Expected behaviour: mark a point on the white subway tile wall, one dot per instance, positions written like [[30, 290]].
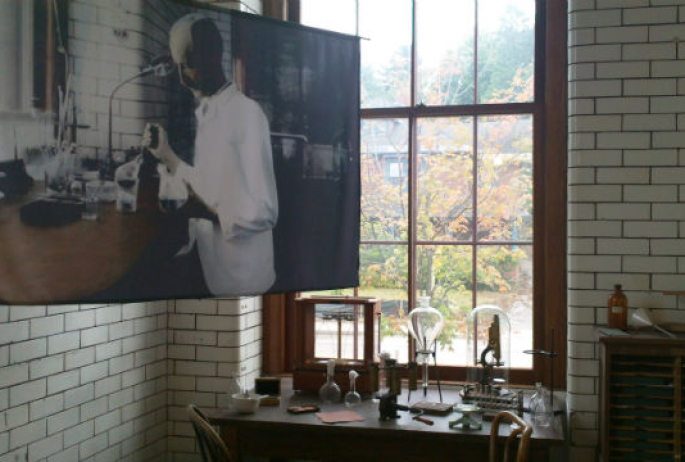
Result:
[[210, 341], [60, 400], [626, 192], [117, 391]]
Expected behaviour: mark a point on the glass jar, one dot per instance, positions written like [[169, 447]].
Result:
[[617, 318], [541, 407]]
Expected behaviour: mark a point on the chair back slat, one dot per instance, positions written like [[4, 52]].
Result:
[[212, 447], [524, 430]]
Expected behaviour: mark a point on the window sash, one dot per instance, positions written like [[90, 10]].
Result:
[[549, 121]]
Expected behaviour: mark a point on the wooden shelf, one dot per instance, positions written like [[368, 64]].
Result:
[[642, 410]]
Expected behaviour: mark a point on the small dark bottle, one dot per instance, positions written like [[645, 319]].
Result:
[[618, 309]]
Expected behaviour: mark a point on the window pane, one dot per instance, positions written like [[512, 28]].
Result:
[[383, 273], [505, 178], [504, 278], [445, 273], [385, 56], [335, 15], [339, 331], [384, 170], [445, 31], [506, 50], [445, 179]]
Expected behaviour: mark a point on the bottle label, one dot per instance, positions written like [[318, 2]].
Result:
[[616, 309]]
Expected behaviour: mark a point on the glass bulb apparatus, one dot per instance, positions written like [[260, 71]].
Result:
[[425, 324], [330, 391], [352, 398]]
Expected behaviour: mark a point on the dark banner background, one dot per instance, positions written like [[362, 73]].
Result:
[[307, 83]]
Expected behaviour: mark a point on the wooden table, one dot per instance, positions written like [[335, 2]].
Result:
[[273, 432], [70, 262]]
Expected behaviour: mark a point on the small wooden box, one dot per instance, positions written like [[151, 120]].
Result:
[[363, 316]]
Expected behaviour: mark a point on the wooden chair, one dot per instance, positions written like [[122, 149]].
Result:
[[212, 447], [524, 430]]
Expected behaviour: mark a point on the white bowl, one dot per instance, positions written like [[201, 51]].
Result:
[[246, 404]]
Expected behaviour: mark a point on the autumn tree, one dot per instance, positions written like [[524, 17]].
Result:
[[446, 169]]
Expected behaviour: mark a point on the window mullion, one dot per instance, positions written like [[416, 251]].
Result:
[[413, 184], [475, 52]]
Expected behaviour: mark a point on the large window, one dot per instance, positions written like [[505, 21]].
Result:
[[454, 162]]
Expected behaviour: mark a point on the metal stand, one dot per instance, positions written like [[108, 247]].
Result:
[[437, 371], [466, 422], [551, 354]]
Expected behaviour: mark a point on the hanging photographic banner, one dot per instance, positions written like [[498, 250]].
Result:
[[182, 152]]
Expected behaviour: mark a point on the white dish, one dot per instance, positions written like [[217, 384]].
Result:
[[246, 404]]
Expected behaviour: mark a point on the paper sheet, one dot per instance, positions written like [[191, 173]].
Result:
[[337, 417]]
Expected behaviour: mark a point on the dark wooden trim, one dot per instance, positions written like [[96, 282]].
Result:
[[277, 9], [448, 111], [295, 329], [294, 11], [273, 333], [552, 176], [458, 374]]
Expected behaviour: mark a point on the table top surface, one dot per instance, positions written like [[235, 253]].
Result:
[[275, 416], [66, 263]]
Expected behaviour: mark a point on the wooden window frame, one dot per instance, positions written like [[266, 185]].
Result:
[[283, 326]]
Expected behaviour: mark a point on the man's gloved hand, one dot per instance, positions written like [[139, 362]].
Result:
[[155, 140]]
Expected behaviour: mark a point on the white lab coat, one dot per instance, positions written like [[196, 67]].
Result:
[[233, 173]]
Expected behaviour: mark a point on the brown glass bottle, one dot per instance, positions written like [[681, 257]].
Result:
[[618, 309]]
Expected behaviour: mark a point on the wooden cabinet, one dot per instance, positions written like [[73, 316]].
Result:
[[641, 410]]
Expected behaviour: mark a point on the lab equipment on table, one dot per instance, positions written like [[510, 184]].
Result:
[[246, 403], [541, 407], [173, 192], [47, 211], [330, 391], [617, 314], [488, 361], [127, 181], [59, 170], [233, 389], [425, 324], [346, 329], [466, 421], [392, 371], [642, 318], [352, 398], [91, 210]]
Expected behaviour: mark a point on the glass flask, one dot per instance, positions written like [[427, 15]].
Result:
[[330, 391], [173, 192], [233, 388], [352, 398], [59, 170], [126, 177], [425, 324], [541, 407]]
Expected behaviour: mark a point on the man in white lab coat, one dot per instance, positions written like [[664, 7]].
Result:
[[233, 206]]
